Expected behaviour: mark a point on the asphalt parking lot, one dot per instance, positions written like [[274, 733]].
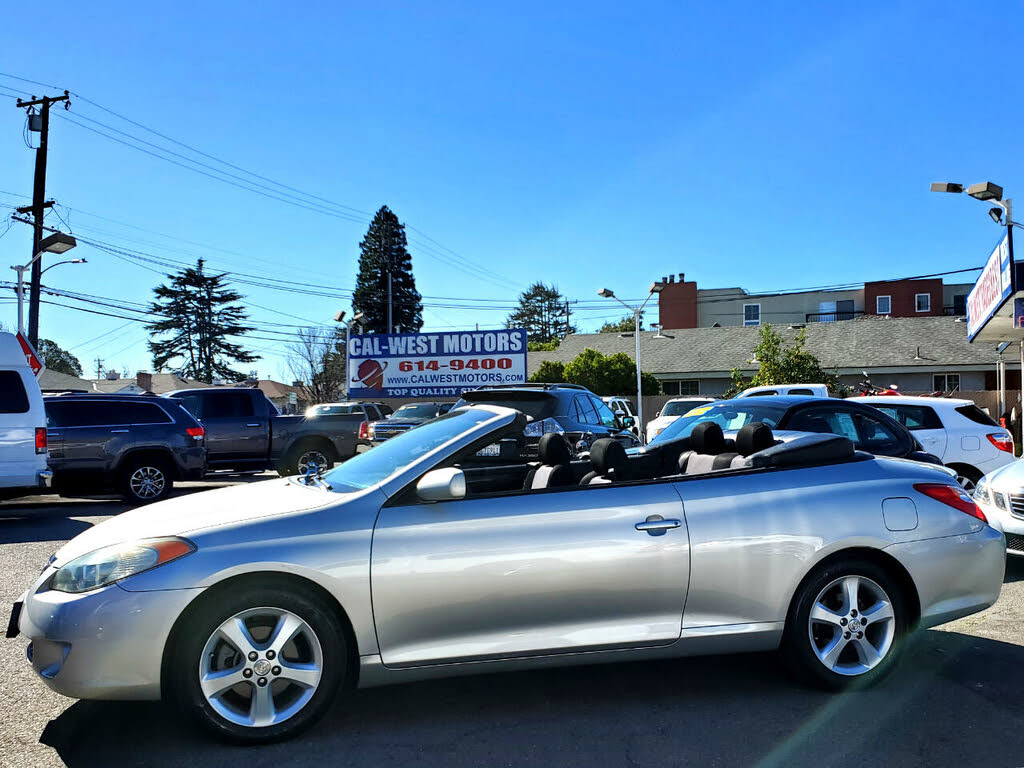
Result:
[[955, 700]]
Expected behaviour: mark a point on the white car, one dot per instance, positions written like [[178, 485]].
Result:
[[1000, 495], [625, 407], [22, 424], [671, 411], [814, 390], [957, 431]]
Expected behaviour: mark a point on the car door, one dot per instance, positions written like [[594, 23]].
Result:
[[922, 421], [529, 573], [234, 430], [93, 435]]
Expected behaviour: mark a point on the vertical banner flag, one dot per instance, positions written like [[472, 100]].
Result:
[[433, 364]]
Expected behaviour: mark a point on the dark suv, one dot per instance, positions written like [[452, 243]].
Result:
[[137, 445], [569, 409]]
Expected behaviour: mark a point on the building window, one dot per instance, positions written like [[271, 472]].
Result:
[[684, 387], [751, 314], [946, 382], [923, 302], [883, 305]]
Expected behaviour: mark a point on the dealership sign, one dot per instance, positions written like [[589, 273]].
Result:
[[433, 364], [992, 289]]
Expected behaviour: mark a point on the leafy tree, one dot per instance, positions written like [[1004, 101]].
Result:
[[549, 371], [626, 325], [57, 359], [609, 374], [541, 346], [782, 364], [199, 316], [317, 359], [384, 248], [544, 313]]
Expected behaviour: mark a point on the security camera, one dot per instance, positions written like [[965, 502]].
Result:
[[340, 316]]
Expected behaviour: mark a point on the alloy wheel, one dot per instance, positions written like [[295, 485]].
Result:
[[852, 625], [312, 460], [261, 667], [147, 482]]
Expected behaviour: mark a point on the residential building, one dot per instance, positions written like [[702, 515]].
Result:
[[681, 304]]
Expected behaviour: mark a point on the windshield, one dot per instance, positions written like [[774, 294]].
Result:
[[537, 407], [729, 415], [382, 461], [679, 407], [331, 410], [415, 411]]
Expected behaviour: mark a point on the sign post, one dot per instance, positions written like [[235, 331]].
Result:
[[433, 364]]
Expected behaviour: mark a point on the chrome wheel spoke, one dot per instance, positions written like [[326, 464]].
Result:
[[851, 588], [236, 633], [306, 675], [829, 655], [261, 709], [215, 683], [287, 627], [866, 652], [880, 611], [824, 615]]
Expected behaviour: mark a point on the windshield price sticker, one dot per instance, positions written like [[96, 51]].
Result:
[[699, 411], [434, 364]]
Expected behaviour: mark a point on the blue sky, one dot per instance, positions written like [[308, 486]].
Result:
[[767, 145]]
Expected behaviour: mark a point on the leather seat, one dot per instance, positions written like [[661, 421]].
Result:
[[554, 470], [610, 462]]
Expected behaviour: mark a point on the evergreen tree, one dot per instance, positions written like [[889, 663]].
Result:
[[544, 313], [384, 246], [199, 316], [58, 359]]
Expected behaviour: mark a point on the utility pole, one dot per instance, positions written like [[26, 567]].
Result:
[[38, 201], [99, 367]]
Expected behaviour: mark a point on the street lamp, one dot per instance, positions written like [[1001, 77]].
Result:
[[605, 293], [57, 243], [359, 319], [986, 192]]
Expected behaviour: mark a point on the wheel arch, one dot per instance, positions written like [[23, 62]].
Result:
[[266, 578], [971, 470], [149, 452], [879, 557]]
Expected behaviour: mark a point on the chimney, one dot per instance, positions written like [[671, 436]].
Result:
[[671, 278], [144, 380], [682, 277], [664, 279]]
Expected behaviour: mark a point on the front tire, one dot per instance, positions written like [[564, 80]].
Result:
[[846, 625], [146, 481], [301, 458], [258, 665]]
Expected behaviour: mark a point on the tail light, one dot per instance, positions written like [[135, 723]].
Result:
[[40, 439], [957, 498], [196, 433], [1001, 441], [364, 431]]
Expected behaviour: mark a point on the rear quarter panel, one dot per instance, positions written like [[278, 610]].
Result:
[[754, 536]]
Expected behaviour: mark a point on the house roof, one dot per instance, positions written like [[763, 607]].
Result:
[[53, 381], [160, 383], [277, 389], [867, 342]]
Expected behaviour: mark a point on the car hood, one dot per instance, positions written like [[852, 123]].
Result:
[[183, 514], [1009, 477]]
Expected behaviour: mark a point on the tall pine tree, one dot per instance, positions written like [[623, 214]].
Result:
[[199, 316], [544, 314], [384, 247]]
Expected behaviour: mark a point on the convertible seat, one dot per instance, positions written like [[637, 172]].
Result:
[[708, 450], [554, 469], [804, 451], [752, 438], [610, 462]]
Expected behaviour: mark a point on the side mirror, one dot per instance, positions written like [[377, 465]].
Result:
[[628, 422], [442, 485], [620, 413]]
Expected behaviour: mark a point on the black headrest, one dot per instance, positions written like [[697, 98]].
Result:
[[707, 437], [754, 437], [609, 456], [553, 449]]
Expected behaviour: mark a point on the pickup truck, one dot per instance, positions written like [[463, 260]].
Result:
[[245, 431]]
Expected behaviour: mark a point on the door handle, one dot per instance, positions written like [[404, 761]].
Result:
[[656, 525], [118, 431], [252, 425]]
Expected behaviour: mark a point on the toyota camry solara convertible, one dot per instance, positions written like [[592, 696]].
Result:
[[252, 607]]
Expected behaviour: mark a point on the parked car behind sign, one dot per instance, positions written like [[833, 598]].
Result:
[[136, 445], [957, 431]]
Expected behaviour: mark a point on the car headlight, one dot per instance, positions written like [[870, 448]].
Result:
[[999, 499], [119, 561], [981, 492]]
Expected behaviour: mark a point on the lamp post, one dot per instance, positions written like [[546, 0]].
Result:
[[357, 319], [637, 312], [58, 243]]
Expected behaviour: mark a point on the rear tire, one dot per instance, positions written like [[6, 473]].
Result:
[[283, 649], [298, 459], [146, 481], [846, 625]]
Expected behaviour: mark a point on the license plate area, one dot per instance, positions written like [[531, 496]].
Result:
[[494, 449]]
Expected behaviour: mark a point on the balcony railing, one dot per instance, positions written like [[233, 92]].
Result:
[[831, 317]]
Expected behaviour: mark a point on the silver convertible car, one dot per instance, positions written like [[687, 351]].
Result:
[[251, 607]]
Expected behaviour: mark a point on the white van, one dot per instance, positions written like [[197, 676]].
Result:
[[22, 424], [814, 390]]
